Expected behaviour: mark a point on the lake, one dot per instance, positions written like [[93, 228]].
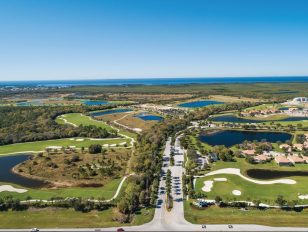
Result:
[[232, 137], [203, 103], [95, 103], [149, 117], [235, 119], [6, 174], [114, 111], [273, 174]]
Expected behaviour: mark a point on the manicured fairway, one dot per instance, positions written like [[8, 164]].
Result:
[[273, 217], [41, 145], [67, 218], [252, 191], [105, 192], [78, 119]]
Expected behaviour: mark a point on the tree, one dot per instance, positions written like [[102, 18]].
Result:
[[218, 199], [280, 200], [95, 148]]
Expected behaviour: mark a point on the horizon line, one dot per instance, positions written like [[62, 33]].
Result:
[[155, 78]]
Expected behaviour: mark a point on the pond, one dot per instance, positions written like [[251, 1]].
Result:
[[36, 102], [6, 174], [114, 111], [196, 104], [232, 137], [234, 119], [149, 117], [265, 174], [95, 103]]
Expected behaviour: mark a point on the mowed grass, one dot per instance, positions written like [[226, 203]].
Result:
[[272, 217], [67, 218], [41, 145], [105, 192], [251, 191], [78, 119]]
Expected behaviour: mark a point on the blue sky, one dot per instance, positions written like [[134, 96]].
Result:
[[74, 39]]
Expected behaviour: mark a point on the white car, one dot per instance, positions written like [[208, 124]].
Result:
[[35, 230]]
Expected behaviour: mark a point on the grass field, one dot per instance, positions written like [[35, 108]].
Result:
[[105, 192], [273, 217], [252, 191], [78, 119], [67, 218], [41, 145]]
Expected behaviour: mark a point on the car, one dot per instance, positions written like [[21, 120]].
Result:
[[120, 230], [230, 226], [35, 230]]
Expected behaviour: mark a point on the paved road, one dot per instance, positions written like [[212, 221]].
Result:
[[174, 220]]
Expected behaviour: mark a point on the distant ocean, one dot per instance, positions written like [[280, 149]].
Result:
[[151, 81]]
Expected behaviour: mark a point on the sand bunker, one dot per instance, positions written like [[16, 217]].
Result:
[[207, 186], [220, 179], [303, 197], [79, 140], [236, 192], [10, 188]]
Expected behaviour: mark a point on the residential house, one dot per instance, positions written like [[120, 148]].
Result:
[[262, 158], [296, 159], [283, 161]]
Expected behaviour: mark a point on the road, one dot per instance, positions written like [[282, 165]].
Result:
[[174, 220]]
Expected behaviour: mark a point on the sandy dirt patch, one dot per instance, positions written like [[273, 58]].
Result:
[[303, 197], [207, 186], [220, 179], [10, 188], [236, 192]]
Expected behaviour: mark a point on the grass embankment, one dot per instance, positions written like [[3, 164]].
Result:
[[41, 145], [67, 218], [105, 192], [273, 217]]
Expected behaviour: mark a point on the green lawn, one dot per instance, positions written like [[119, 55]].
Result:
[[105, 192], [41, 145], [252, 191], [67, 218], [273, 217], [78, 119]]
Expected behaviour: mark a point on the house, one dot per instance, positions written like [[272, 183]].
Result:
[[261, 158], [249, 152], [306, 159], [298, 146], [213, 157], [283, 161], [296, 159], [285, 147]]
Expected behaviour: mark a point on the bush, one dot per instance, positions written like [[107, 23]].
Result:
[[95, 148]]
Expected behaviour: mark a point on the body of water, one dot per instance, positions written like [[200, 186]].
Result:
[[149, 117], [6, 174], [114, 111], [235, 119], [95, 103], [154, 81], [196, 104], [265, 174], [232, 137]]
